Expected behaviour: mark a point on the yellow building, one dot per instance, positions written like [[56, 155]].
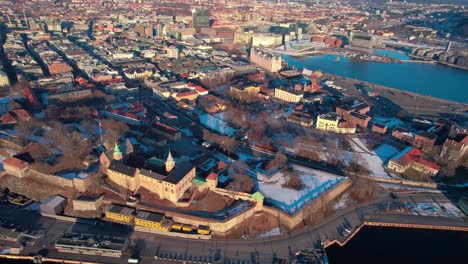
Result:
[[170, 182], [171, 186], [245, 87], [331, 122], [289, 95], [123, 175], [87, 203], [151, 220], [120, 213]]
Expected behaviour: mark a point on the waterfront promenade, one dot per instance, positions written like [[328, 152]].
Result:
[[223, 249]]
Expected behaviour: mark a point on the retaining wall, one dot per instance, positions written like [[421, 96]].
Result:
[[292, 221], [172, 234]]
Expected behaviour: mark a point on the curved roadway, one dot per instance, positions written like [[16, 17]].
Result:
[[222, 249]]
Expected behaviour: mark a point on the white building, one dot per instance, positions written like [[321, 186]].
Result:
[[173, 52], [266, 40], [4, 81]]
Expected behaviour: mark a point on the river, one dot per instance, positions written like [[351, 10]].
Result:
[[397, 245], [424, 78]]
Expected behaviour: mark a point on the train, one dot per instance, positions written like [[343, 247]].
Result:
[[188, 229], [153, 220]]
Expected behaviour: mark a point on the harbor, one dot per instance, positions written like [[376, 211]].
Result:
[[427, 78]]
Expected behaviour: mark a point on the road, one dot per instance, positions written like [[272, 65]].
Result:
[[263, 250]]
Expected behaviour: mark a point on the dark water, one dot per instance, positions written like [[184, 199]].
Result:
[[428, 79], [395, 245]]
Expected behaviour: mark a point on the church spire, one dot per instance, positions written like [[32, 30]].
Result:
[[170, 163], [117, 154]]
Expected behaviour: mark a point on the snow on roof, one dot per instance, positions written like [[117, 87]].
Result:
[[54, 201]]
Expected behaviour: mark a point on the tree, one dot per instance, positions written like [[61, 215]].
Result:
[[241, 183], [236, 117], [228, 144], [363, 189], [279, 161], [113, 129], [293, 181], [357, 165], [26, 128]]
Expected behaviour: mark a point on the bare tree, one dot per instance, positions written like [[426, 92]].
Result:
[[279, 161], [28, 127], [363, 189], [113, 129], [241, 183], [293, 181]]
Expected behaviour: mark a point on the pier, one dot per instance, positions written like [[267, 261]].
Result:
[[34, 259], [404, 221]]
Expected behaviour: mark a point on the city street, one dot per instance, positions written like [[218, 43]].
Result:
[[263, 250]]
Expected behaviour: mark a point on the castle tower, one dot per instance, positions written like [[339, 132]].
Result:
[[170, 163], [117, 154]]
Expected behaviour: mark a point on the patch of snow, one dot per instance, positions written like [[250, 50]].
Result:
[[398, 187], [343, 202], [434, 209], [217, 123], [315, 183], [273, 232], [374, 163]]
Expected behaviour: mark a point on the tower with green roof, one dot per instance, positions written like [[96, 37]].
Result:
[[117, 154]]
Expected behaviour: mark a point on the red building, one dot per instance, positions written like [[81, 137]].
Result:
[[379, 128], [425, 141], [354, 113], [57, 67], [358, 119], [403, 135]]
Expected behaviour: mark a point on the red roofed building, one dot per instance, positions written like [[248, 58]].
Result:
[[13, 116], [212, 180], [15, 166], [22, 114], [166, 131], [190, 95], [411, 158], [198, 89], [222, 166], [8, 119]]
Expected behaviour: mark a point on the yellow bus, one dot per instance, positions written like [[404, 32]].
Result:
[[203, 230]]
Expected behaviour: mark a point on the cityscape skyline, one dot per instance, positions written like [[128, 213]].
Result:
[[214, 131]]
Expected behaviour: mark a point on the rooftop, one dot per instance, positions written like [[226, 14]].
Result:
[[150, 216], [152, 174], [122, 168], [179, 172], [332, 116], [120, 209]]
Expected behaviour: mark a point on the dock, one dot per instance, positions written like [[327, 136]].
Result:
[[404, 221]]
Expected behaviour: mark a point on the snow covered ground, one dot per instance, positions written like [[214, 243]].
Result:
[[398, 187], [435, 209], [374, 163], [273, 232], [342, 202], [216, 122], [315, 183]]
